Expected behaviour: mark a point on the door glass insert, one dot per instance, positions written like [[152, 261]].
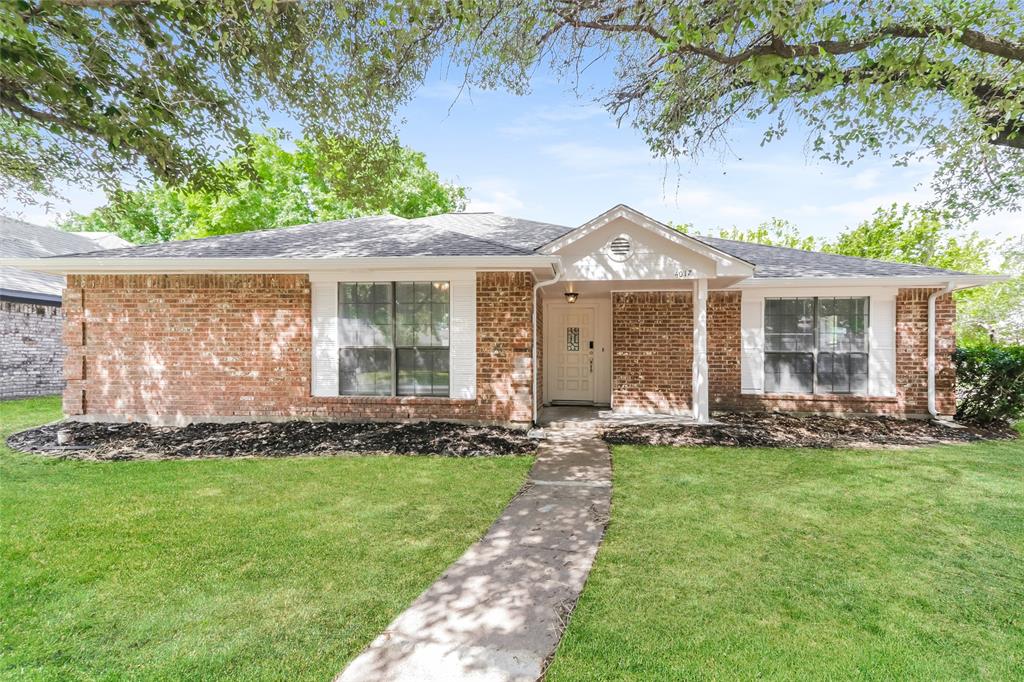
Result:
[[572, 339]]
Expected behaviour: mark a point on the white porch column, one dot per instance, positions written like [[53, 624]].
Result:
[[701, 411]]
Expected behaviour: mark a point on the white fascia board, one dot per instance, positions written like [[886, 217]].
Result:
[[100, 265], [959, 281], [659, 228]]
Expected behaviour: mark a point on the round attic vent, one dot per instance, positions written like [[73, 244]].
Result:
[[620, 248]]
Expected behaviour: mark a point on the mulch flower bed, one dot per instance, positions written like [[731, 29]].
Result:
[[139, 441], [783, 431]]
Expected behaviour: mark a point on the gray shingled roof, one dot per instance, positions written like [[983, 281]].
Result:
[[528, 235], [19, 239], [481, 234], [777, 261], [377, 236]]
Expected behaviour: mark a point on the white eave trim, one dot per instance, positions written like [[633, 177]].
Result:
[[100, 265], [962, 281]]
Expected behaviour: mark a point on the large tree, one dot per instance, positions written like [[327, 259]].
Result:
[[773, 232], [941, 80], [94, 87], [100, 91], [268, 186], [905, 234]]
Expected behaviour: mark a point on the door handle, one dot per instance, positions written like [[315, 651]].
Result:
[[591, 365]]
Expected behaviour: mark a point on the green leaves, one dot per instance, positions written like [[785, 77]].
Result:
[[163, 89], [936, 80], [774, 232], [266, 186]]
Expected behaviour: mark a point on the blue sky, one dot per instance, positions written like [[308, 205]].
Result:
[[560, 158]]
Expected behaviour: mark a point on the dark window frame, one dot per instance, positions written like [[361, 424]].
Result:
[[394, 347], [816, 347]]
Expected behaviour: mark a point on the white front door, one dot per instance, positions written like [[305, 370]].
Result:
[[571, 355]]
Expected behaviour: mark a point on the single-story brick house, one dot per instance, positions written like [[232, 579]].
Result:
[[31, 352], [484, 318]]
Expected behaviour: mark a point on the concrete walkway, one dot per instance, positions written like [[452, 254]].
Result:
[[498, 612]]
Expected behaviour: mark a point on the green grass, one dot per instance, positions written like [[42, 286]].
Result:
[[807, 564], [219, 569]]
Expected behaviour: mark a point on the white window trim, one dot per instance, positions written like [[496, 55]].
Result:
[[462, 330], [816, 351], [881, 336]]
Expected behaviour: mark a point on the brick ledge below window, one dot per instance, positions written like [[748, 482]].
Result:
[[823, 397], [391, 400]]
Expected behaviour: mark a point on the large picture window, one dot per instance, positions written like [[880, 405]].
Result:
[[816, 345], [393, 338]]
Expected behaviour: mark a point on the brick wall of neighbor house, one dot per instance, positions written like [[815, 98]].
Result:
[[166, 347], [652, 351], [31, 354]]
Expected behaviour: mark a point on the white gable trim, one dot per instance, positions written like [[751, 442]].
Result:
[[658, 228]]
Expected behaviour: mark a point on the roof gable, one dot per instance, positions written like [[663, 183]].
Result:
[[725, 264]]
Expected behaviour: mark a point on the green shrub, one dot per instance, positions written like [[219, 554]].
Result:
[[990, 383]]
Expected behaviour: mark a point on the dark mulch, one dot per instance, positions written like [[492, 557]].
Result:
[[783, 431], [139, 441]]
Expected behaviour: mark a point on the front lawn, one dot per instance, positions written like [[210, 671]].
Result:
[[222, 569], [807, 564]]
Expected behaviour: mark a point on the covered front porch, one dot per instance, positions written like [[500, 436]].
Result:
[[624, 323], [630, 352]]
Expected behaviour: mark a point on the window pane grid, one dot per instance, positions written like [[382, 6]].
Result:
[[816, 345], [394, 338]]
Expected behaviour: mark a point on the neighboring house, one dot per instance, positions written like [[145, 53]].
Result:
[[31, 352], [481, 317]]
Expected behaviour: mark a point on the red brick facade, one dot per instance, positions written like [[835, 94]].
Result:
[[723, 347], [912, 351], [911, 398], [504, 345], [653, 358], [178, 347], [652, 351]]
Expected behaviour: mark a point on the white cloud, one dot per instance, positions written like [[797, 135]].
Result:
[[497, 195], [705, 207], [597, 159], [550, 121], [866, 179], [1002, 225], [579, 112]]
